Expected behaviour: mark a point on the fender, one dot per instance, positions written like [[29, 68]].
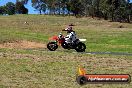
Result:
[[82, 40]]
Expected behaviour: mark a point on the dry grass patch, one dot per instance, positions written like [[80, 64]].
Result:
[[22, 45]]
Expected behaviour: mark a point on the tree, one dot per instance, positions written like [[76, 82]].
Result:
[[20, 8], [75, 7], [87, 4], [25, 11], [96, 5], [10, 8], [40, 5], [59, 7], [22, 1], [104, 8], [2, 10], [116, 10], [52, 5]]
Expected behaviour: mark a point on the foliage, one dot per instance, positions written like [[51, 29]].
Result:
[[10, 8], [39, 5], [20, 8], [2, 10], [114, 10], [75, 7]]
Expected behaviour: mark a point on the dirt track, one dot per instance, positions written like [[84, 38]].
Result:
[[38, 46], [22, 45]]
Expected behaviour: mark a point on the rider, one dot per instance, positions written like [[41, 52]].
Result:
[[71, 36]]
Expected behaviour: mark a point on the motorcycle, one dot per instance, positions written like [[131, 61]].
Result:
[[60, 41]]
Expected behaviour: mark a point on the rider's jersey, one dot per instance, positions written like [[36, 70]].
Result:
[[71, 37]]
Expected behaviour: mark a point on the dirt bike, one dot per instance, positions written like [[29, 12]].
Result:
[[60, 41]]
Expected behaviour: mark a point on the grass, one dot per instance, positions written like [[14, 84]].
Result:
[[21, 68], [101, 35], [57, 69]]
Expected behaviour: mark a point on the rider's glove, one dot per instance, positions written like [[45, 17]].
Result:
[[60, 36]]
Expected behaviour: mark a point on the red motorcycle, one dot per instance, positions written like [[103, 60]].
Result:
[[60, 41]]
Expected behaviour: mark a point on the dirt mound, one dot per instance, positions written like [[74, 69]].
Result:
[[22, 45]]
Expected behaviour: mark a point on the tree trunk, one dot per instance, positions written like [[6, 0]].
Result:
[[128, 18], [59, 9], [112, 15], [98, 5], [40, 12]]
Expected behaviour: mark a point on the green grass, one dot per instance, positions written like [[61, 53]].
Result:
[[101, 35], [13, 35], [37, 68]]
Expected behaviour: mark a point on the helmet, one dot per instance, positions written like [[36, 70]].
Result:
[[69, 29]]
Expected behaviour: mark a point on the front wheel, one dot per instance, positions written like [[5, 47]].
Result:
[[81, 80], [52, 46], [80, 47]]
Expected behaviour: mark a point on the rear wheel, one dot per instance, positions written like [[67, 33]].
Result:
[[80, 47], [52, 46]]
